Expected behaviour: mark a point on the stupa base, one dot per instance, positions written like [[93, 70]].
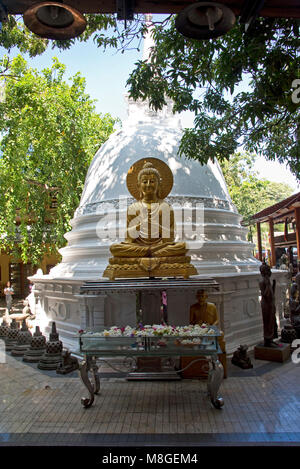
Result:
[[20, 350], [9, 346], [242, 320], [48, 362], [33, 356]]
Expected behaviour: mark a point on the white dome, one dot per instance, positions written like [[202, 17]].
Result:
[[156, 135], [223, 246]]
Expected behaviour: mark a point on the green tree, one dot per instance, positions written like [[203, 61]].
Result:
[[206, 77], [49, 133], [104, 29], [249, 193], [15, 34]]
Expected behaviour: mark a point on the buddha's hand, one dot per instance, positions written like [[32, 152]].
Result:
[[159, 247]]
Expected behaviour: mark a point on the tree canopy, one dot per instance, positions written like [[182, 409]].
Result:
[[50, 130], [49, 133], [208, 78], [249, 193], [104, 30], [240, 86]]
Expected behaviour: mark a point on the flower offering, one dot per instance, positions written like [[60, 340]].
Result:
[[157, 330]]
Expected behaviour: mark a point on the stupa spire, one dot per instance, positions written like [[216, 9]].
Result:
[[148, 40], [139, 110]]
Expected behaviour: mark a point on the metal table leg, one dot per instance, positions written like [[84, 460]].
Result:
[[215, 378], [89, 364], [96, 378]]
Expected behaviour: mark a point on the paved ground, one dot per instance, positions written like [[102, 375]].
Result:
[[43, 408]]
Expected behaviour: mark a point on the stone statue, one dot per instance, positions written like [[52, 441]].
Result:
[[290, 330], [241, 359], [294, 299], [68, 364], [268, 306], [294, 305], [297, 278], [149, 248], [26, 311], [203, 311], [283, 262], [52, 357]]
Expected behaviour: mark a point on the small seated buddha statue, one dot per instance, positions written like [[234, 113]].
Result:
[[203, 311], [149, 249]]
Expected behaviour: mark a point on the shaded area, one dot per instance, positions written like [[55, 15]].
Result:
[[134, 439]]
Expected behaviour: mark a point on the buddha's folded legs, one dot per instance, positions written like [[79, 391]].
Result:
[[136, 250], [129, 250], [176, 249]]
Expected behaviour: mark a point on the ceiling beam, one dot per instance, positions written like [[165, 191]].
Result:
[[272, 8]]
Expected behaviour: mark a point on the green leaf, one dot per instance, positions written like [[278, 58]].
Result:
[[50, 132]]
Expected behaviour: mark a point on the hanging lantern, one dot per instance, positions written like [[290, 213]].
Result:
[[205, 20], [54, 20]]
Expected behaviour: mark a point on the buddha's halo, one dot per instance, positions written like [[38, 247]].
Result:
[[166, 182]]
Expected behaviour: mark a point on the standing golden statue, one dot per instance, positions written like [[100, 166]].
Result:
[[149, 249]]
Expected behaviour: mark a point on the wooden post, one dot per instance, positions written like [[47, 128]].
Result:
[[259, 241], [286, 230], [272, 243], [297, 217]]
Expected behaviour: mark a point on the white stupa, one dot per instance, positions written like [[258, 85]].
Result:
[[223, 247], [222, 252]]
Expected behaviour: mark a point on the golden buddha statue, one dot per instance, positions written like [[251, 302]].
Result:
[[149, 249], [203, 311], [200, 312]]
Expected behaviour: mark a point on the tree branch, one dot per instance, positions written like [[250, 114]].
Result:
[[43, 185]]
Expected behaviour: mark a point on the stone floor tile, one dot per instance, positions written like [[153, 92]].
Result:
[[260, 404]]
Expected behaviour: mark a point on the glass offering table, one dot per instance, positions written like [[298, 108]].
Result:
[[95, 346]]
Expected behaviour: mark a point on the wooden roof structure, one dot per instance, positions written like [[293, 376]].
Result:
[[279, 211], [285, 211], [70, 22], [268, 8]]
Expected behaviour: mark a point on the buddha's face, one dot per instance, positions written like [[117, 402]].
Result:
[[149, 185], [201, 297]]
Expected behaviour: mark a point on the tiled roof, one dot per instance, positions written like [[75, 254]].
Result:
[[272, 211]]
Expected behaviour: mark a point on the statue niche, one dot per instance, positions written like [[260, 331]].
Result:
[[149, 249]]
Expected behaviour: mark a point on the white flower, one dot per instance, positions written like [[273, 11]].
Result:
[[157, 330]]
